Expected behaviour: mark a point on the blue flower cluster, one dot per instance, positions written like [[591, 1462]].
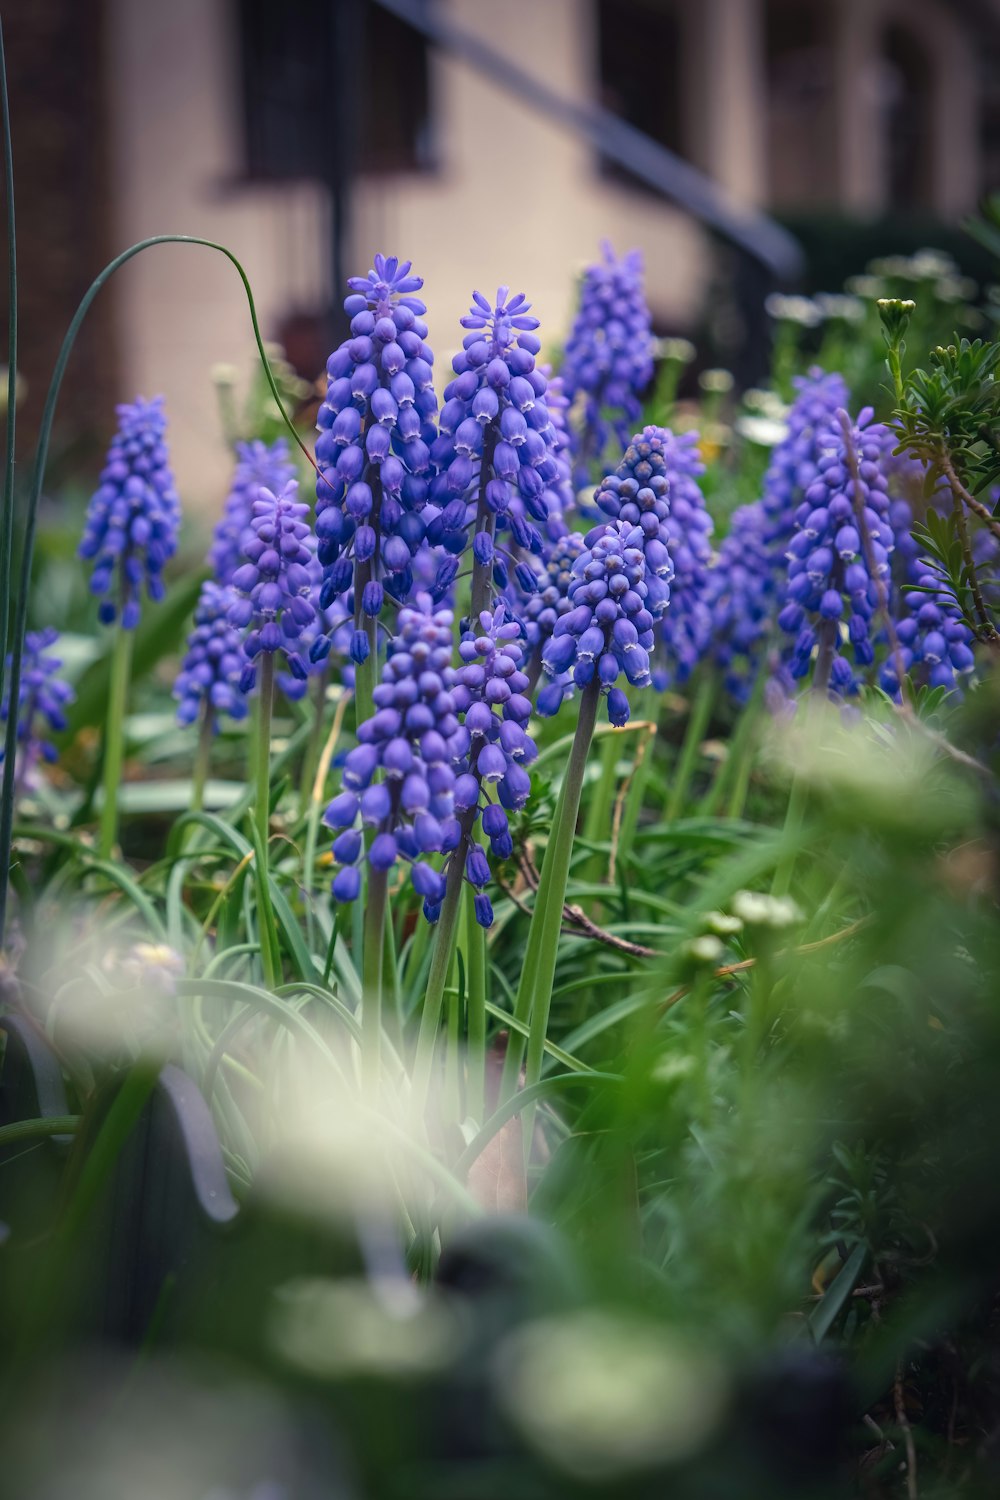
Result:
[[539, 609], [608, 358], [686, 628], [935, 644], [639, 494], [410, 740], [258, 466], [497, 454], [274, 583], [829, 583], [794, 460], [209, 679], [932, 644], [741, 601], [492, 747], [608, 629], [41, 703], [373, 449], [134, 515]]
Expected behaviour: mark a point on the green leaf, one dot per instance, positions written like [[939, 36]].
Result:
[[824, 1314]]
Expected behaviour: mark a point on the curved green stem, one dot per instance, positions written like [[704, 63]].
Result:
[[114, 738], [38, 476], [7, 527], [45, 1125]]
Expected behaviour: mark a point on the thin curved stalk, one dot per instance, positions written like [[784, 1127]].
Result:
[[7, 526], [37, 479], [114, 738]]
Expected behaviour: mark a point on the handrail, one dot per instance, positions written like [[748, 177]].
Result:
[[761, 237]]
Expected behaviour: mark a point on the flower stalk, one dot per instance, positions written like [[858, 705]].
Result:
[[534, 992], [114, 738]]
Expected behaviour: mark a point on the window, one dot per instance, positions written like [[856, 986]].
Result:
[[800, 104], [640, 71], [907, 106], [332, 87]]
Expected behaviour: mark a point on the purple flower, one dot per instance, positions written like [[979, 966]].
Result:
[[210, 673], [608, 631], [501, 461], [258, 466], [933, 643], [838, 560], [492, 748], [541, 607], [793, 465], [608, 360], [41, 704], [741, 600], [410, 743], [134, 515], [638, 493], [686, 628], [375, 432], [274, 582]]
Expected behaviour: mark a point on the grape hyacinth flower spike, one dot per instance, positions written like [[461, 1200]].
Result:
[[134, 515], [130, 533], [838, 557], [498, 453], [794, 460], [274, 610], [373, 453], [398, 784], [41, 710], [742, 590], [541, 608], [258, 466], [492, 751], [608, 360], [607, 632]]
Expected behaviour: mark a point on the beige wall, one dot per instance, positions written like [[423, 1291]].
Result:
[[515, 199], [487, 216]]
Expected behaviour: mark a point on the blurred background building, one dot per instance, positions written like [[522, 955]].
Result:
[[463, 134]]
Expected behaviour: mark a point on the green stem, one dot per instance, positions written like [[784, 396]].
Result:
[[27, 1130], [790, 835], [314, 744], [114, 738], [203, 757], [741, 782], [475, 979], [437, 977], [698, 716], [7, 528], [641, 770], [738, 752], [262, 749], [373, 960], [827, 635], [482, 573], [598, 819], [534, 992]]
